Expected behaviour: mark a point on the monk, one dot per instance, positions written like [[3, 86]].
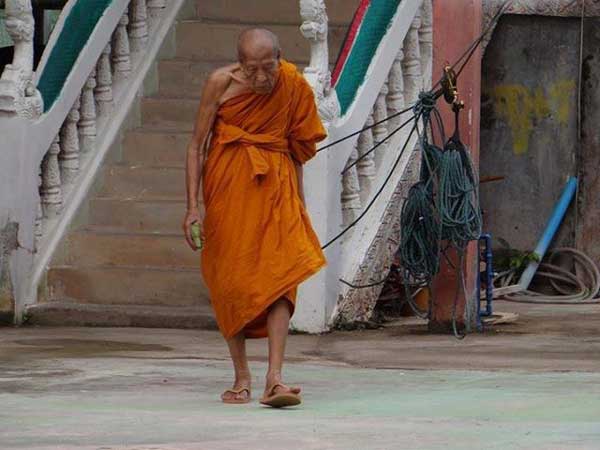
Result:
[[258, 242]]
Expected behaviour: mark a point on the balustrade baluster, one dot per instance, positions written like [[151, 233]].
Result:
[[87, 122], [138, 25], [366, 166], [351, 204], [380, 132], [411, 64], [426, 34], [69, 144], [103, 90], [51, 191], [39, 219], [121, 55], [395, 97]]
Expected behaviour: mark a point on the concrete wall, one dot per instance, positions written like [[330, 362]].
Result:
[[18, 200], [588, 230], [529, 125]]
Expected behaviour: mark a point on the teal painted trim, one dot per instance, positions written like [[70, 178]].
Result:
[[374, 26], [78, 27], [5, 39]]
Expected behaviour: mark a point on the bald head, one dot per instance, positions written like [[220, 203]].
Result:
[[258, 43]]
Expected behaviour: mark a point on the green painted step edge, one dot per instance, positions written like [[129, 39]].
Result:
[[375, 24], [79, 25]]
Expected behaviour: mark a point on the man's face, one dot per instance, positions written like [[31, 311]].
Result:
[[261, 70]]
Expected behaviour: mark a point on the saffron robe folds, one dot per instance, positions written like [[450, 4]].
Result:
[[259, 240]]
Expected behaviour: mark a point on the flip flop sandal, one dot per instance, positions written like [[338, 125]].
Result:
[[281, 399], [236, 400]]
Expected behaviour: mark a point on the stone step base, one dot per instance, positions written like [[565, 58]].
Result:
[[65, 313]]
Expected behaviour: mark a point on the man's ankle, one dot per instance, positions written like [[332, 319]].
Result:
[[243, 376], [273, 376]]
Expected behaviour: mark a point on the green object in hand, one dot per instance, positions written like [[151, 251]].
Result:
[[196, 234]]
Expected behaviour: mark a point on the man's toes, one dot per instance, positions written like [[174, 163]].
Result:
[[241, 395], [285, 388]]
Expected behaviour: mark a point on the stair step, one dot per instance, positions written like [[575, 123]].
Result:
[[146, 216], [128, 285], [185, 77], [169, 113], [151, 147], [266, 11], [64, 313], [96, 247], [142, 182], [199, 40]]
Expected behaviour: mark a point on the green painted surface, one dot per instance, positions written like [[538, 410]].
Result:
[[79, 24], [375, 24], [172, 403], [5, 40]]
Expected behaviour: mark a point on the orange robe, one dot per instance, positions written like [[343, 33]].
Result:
[[259, 240]]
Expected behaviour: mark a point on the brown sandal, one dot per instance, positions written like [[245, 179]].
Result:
[[281, 399], [234, 400]]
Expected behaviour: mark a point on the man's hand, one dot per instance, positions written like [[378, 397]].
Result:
[[192, 215]]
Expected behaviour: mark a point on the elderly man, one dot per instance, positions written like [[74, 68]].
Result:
[[258, 240]]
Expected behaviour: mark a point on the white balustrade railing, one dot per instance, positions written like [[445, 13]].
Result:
[[400, 69], [75, 142], [70, 139]]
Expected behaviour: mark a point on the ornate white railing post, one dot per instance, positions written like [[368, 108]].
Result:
[[366, 166], [69, 142], [51, 191], [395, 98], [351, 205], [380, 131], [18, 95], [314, 28], [426, 34], [138, 24], [411, 64], [322, 193], [87, 122], [103, 89], [121, 57]]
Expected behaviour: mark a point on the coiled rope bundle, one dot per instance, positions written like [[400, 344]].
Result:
[[442, 206]]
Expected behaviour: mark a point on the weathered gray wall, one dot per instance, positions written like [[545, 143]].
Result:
[[529, 125], [588, 230], [18, 200]]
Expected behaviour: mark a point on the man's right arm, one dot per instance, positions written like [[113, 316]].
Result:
[[214, 88]]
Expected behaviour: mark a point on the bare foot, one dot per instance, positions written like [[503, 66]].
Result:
[[278, 394], [239, 393], [280, 389]]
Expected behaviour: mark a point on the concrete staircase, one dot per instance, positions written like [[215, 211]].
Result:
[[127, 263]]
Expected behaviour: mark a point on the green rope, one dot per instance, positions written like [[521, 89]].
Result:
[[442, 206], [419, 243], [458, 199]]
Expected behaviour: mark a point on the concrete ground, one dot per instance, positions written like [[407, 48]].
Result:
[[534, 384]]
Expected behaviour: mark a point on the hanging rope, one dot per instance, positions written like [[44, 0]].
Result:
[[379, 191], [444, 204]]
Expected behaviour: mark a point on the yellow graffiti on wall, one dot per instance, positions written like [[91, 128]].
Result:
[[521, 107]]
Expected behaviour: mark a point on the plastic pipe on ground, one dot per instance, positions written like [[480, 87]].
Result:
[[555, 220]]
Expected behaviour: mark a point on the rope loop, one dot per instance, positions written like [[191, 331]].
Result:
[[425, 104]]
